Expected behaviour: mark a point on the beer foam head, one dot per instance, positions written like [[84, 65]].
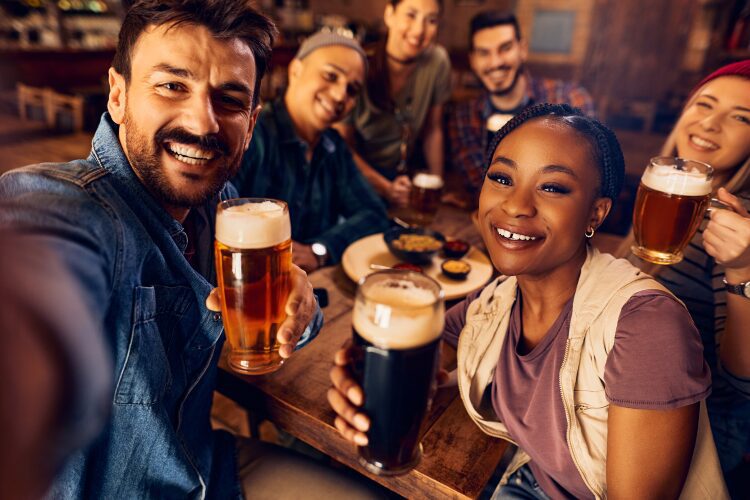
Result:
[[428, 181], [253, 225], [398, 315], [667, 179]]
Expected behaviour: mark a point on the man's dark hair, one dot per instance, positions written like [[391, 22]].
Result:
[[394, 3], [490, 19], [605, 148], [225, 19]]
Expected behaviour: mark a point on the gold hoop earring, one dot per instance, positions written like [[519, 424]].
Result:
[[589, 233]]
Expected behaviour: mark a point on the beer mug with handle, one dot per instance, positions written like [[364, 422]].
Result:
[[424, 198], [397, 322], [672, 200], [253, 254]]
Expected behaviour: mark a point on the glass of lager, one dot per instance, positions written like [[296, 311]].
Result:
[[253, 260], [672, 199], [424, 198], [397, 321]]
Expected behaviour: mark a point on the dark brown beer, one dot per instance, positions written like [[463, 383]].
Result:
[[669, 207], [253, 263], [397, 323]]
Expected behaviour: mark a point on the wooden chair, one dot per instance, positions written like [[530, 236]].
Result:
[[29, 97], [59, 105], [54, 105]]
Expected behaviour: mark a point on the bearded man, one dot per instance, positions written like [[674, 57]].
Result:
[[497, 56], [133, 225]]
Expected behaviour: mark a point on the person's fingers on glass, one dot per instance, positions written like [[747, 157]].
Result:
[[345, 397], [727, 235], [300, 307], [213, 301]]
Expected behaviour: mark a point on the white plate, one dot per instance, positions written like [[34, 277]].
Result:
[[371, 249]]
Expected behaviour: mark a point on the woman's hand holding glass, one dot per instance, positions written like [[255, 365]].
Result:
[[346, 396], [398, 194], [727, 237]]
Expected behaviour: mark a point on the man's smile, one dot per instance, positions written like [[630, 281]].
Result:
[[190, 154]]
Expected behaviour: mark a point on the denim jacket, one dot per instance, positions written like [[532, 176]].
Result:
[[127, 254]]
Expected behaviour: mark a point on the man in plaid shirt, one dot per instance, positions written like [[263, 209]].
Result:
[[497, 56]]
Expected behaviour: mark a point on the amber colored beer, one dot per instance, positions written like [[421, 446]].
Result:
[[253, 262], [669, 207], [397, 321], [424, 198]]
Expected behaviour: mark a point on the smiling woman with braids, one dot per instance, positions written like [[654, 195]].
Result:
[[565, 354]]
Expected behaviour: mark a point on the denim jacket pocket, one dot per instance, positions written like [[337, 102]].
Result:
[[146, 373]]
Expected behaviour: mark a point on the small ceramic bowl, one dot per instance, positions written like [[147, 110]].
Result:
[[455, 249], [456, 269]]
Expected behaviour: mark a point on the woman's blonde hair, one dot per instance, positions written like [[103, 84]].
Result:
[[740, 180]]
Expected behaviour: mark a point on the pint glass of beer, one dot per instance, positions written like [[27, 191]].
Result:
[[672, 199], [397, 321], [424, 198], [253, 260]]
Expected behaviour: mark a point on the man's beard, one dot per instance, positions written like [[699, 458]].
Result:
[[507, 90], [144, 157]]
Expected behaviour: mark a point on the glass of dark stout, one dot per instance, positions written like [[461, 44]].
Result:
[[397, 322]]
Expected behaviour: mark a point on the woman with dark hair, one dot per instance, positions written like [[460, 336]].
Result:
[[714, 128], [591, 367], [407, 84]]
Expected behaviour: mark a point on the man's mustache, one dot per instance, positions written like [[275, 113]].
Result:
[[498, 68], [210, 142]]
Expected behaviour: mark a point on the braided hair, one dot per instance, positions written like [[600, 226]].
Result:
[[604, 145]]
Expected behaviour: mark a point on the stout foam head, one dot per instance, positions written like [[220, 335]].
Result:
[[668, 179], [427, 181], [397, 314], [253, 225]]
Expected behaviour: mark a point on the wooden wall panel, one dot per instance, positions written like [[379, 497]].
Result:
[[636, 48], [362, 10]]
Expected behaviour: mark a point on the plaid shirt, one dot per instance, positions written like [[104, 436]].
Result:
[[329, 200], [467, 132]]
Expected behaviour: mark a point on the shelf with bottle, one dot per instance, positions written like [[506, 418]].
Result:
[[58, 25]]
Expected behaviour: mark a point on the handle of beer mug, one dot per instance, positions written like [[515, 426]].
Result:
[[716, 203]]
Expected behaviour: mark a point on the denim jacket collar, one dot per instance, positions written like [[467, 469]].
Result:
[[108, 153]]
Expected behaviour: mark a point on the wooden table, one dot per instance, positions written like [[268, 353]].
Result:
[[458, 458]]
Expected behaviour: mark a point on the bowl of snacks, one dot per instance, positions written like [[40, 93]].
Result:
[[456, 269], [455, 249], [415, 245]]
